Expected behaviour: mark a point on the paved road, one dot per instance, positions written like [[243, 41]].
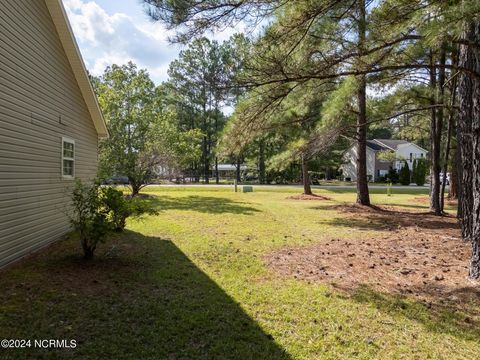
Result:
[[300, 186]]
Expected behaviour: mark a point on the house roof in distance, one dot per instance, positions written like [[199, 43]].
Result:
[[230, 167], [390, 144], [64, 30], [376, 146]]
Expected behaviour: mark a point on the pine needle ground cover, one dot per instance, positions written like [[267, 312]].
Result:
[[223, 275]]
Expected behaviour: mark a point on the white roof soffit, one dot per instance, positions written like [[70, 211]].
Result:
[[64, 30]]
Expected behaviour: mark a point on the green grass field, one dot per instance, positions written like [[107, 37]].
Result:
[[191, 283]]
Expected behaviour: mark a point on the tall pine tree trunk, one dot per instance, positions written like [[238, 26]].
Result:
[[458, 161], [445, 168], [217, 175], [475, 262], [238, 172], [469, 127], [261, 163], [450, 124], [307, 189], [452, 190], [465, 140], [206, 165], [205, 142], [363, 196], [436, 132]]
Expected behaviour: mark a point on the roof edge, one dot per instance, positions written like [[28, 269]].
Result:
[[383, 144], [72, 51]]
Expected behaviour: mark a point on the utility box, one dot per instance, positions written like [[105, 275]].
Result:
[[247, 188]]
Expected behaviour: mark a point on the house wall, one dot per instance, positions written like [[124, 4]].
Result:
[[39, 103], [349, 167], [381, 166], [403, 151]]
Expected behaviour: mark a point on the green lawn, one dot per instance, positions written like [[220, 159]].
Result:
[[191, 283]]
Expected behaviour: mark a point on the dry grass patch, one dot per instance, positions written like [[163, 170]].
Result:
[[308, 197], [416, 254], [426, 200]]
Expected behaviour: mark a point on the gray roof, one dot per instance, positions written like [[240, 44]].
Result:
[[390, 144], [376, 146]]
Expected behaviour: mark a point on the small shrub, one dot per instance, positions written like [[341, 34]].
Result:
[[392, 176], [420, 172], [121, 207], [98, 210], [117, 206], [90, 218]]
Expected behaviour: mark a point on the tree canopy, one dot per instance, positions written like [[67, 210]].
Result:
[[390, 63], [143, 138]]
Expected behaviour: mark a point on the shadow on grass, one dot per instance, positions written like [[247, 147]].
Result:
[[205, 204], [381, 219], [331, 207], [456, 319], [382, 223], [378, 191], [408, 206], [144, 299]]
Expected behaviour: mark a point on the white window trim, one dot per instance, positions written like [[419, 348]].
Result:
[[71, 141]]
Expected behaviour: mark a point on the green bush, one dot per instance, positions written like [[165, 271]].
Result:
[[89, 218], [117, 206], [414, 169], [404, 174], [420, 172], [98, 210], [121, 207], [392, 176]]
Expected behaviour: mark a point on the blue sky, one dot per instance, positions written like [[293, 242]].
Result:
[[115, 32]]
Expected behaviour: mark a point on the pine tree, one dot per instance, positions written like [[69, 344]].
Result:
[[414, 170], [404, 174], [420, 171]]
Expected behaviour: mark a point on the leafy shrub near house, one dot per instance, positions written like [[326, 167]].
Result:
[[97, 211], [89, 217], [404, 174], [121, 207], [117, 207], [392, 176], [419, 171]]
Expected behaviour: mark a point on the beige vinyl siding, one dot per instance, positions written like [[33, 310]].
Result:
[[40, 102]]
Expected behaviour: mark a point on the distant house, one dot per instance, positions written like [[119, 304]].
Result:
[[50, 123], [228, 170], [376, 168]]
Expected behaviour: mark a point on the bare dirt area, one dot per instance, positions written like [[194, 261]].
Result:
[[416, 254], [308, 197], [426, 200]]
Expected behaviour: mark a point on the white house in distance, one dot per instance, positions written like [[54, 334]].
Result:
[[405, 150], [50, 123]]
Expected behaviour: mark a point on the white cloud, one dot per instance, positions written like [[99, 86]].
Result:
[[118, 38]]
